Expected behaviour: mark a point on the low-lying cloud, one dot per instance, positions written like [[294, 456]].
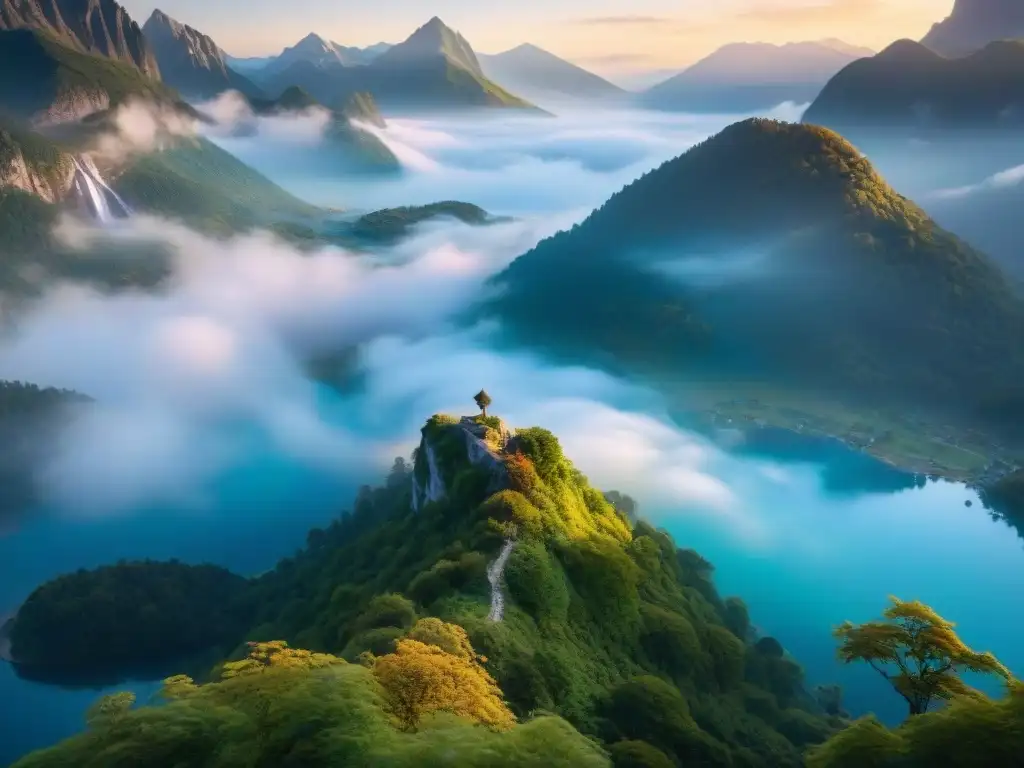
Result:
[[1011, 177]]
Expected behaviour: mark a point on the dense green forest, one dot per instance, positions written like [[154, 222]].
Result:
[[613, 649], [830, 282], [127, 617], [390, 224]]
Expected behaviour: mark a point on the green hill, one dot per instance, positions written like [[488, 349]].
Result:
[[42, 79], [909, 88], [205, 186], [773, 262], [390, 224], [590, 619]]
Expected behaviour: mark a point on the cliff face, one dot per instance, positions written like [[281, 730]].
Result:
[[100, 27], [450, 445], [42, 171], [973, 24], [191, 61]]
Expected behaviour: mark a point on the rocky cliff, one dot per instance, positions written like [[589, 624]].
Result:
[[99, 27], [450, 445], [191, 61], [34, 166]]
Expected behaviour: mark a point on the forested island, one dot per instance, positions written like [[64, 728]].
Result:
[[486, 605]]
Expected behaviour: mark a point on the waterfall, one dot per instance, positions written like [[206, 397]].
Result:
[[494, 573], [103, 202]]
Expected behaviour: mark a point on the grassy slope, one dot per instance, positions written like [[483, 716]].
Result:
[[36, 71], [835, 225], [205, 186]]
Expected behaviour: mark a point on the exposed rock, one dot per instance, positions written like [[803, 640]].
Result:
[[100, 27], [973, 24], [484, 447]]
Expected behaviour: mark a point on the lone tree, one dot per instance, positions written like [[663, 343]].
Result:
[[918, 652], [482, 400]]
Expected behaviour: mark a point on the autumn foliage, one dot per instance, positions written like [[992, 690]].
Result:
[[421, 678], [918, 652]]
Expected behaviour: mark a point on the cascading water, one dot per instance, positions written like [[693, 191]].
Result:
[[103, 202]]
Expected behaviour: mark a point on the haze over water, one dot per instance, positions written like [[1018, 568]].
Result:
[[246, 454]]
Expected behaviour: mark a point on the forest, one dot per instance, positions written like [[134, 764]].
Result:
[[615, 647]]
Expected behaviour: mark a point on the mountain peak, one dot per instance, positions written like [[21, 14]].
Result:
[[434, 40]]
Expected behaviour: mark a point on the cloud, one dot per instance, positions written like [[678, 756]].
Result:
[[1011, 177], [139, 126]]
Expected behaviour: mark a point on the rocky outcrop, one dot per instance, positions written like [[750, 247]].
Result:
[[191, 61], [448, 445], [973, 24], [48, 177], [100, 27]]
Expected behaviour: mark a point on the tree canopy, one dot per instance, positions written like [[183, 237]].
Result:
[[918, 652]]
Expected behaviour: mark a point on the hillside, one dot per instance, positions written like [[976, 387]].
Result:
[[30, 422], [48, 82], [349, 147], [743, 77], [909, 88], [99, 27], [391, 224], [435, 68], [540, 75], [191, 61], [714, 263], [491, 563], [973, 24], [208, 188]]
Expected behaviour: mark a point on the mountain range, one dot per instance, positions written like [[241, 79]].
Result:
[[191, 61], [435, 68], [540, 75], [316, 50], [743, 77], [712, 266], [973, 24], [908, 88]]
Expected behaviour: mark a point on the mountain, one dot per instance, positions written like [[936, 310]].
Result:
[[743, 77], [973, 24], [48, 82], [190, 61], [772, 258], [538, 74], [486, 598], [435, 68], [100, 27], [352, 148], [315, 50], [434, 40], [910, 88]]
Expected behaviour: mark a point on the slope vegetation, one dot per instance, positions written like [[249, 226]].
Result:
[[774, 252], [606, 625]]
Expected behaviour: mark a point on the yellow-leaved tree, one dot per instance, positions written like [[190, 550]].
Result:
[[918, 652], [442, 674], [276, 655]]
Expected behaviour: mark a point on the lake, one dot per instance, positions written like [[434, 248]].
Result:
[[813, 543]]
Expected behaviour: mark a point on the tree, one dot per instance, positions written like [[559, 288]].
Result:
[[419, 679], [482, 401], [918, 652]]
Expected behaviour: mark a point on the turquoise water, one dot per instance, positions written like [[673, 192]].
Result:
[[806, 551]]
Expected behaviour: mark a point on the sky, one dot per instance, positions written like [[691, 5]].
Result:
[[607, 36]]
